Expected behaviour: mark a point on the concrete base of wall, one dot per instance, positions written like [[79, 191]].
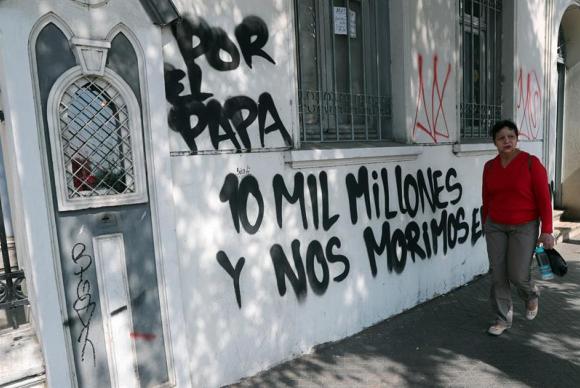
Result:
[[16, 317], [22, 364]]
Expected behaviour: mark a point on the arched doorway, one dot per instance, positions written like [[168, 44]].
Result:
[[567, 167], [561, 71]]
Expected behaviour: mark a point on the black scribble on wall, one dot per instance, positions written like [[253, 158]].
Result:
[[224, 261], [252, 35], [316, 257], [84, 306], [230, 121], [283, 270], [282, 194], [397, 239], [477, 230], [236, 194]]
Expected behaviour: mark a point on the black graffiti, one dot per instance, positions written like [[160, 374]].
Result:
[[308, 267], [119, 310], [224, 261], [252, 35], [231, 121], [315, 256], [225, 123], [477, 230], [83, 306], [414, 192], [236, 194], [281, 192], [449, 229]]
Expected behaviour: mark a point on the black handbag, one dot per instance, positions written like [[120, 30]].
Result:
[[557, 262]]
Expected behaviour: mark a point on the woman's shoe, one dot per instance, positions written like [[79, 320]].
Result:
[[532, 309], [498, 328]]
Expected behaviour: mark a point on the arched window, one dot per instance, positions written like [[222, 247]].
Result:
[[96, 142]]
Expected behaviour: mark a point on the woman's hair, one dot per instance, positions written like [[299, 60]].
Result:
[[503, 124]]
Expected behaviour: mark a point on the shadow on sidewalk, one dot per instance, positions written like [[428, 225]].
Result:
[[444, 342]]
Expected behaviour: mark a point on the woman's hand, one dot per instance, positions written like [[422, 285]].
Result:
[[547, 240]]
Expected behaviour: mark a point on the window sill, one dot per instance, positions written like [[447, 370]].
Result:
[[474, 149], [318, 158]]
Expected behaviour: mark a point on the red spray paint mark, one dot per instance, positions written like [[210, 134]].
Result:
[[143, 336], [431, 124], [529, 104]]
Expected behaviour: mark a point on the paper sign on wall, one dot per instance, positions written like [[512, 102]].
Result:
[[340, 26]]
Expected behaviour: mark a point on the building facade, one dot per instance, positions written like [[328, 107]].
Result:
[[200, 190]]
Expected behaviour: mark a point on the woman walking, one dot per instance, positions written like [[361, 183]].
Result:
[[516, 200]]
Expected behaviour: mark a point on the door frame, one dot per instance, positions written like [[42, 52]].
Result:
[[560, 104], [160, 249]]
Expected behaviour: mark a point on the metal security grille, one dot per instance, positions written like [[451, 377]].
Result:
[[481, 59], [344, 62], [96, 141], [330, 116]]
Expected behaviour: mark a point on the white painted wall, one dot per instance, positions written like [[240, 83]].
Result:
[[263, 76], [214, 340], [23, 160], [433, 80], [228, 342], [30, 199], [529, 88]]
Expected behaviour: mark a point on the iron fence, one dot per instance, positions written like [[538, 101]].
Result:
[[12, 280]]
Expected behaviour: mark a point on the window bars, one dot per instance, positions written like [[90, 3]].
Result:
[[96, 140], [480, 22], [344, 61]]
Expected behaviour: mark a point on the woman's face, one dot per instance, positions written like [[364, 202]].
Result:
[[506, 140]]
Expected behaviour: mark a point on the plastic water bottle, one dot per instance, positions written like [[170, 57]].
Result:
[[543, 264]]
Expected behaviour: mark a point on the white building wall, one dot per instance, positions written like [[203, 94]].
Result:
[[225, 74], [234, 331], [24, 159], [433, 80], [228, 341], [530, 90], [236, 322]]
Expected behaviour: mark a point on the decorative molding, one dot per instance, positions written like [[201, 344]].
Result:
[[60, 372], [91, 55], [91, 3], [474, 149], [173, 336], [350, 156]]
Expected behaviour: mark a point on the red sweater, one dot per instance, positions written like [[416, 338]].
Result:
[[517, 193]]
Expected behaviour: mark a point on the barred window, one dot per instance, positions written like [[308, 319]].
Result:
[[481, 59], [95, 140], [343, 55]]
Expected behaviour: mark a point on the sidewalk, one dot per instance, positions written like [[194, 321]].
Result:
[[443, 343]]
